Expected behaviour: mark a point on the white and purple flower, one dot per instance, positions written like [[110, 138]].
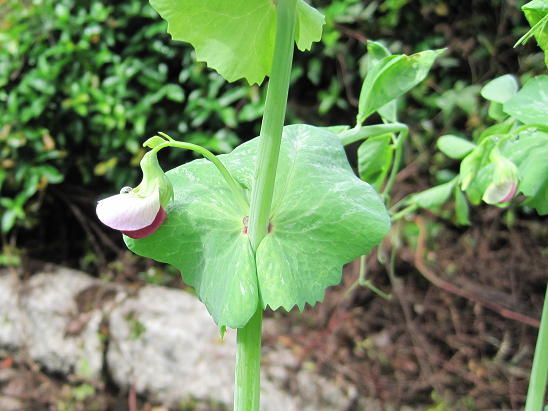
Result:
[[139, 212], [504, 184]]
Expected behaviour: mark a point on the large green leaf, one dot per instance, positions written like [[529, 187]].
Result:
[[530, 104], [323, 216], [236, 37], [202, 237], [392, 77]]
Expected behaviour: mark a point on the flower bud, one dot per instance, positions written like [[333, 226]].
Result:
[[139, 212], [504, 183]]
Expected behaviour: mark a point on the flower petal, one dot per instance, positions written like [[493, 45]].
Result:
[[500, 193], [510, 193], [145, 232], [128, 212]]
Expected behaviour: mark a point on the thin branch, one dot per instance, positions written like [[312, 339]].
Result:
[[453, 289]]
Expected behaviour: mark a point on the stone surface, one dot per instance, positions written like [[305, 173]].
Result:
[[160, 341], [164, 342], [45, 317]]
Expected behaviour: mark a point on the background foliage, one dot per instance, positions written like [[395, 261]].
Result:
[[82, 83]]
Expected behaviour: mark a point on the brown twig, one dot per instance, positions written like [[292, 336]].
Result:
[[353, 34], [418, 340], [344, 79], [132, 398], [451, 288]]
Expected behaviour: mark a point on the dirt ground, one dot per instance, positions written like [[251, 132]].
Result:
[[458, 332]]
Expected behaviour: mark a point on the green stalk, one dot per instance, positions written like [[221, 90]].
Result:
[[273, 121], [539, 373], [236, 188], [395, 165], [248, 358], [361, 133], [247, 388]]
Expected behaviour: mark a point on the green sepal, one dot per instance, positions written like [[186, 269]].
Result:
[[153, 141], [462, 210], [154, 178]]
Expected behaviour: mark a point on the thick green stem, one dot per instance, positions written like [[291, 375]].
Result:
[[539, 373], [248, 360], [248, 365], [236, 188], [273, 121]]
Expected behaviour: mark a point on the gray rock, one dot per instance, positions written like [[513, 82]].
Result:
[[160, 341], [50, 306], [165, 344], [11, 404], [44, 318]]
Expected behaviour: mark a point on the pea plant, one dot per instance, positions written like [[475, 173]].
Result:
[[271, 224], [501, 161]]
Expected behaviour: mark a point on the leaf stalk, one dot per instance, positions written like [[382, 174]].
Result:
[[236, 188]]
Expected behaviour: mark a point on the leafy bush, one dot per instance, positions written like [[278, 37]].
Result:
[[81, 84]]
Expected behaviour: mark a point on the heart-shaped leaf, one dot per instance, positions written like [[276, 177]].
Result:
[[203, 238], [323, 216], [236, 37]]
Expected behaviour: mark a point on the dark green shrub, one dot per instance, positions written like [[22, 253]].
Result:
[[82, 83]]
